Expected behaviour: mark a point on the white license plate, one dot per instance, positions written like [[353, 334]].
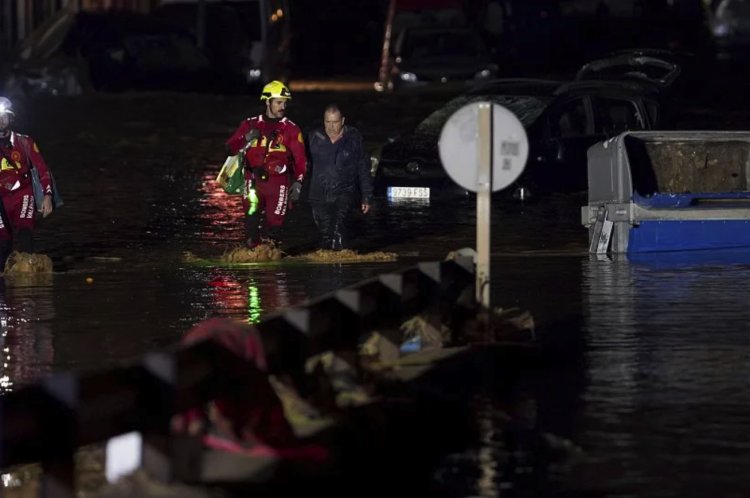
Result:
[[408, 192]]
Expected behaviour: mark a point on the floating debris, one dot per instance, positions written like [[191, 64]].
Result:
[[346, 256], [263, 252], [190, 257], [23, 262], [267, 252], [430, 333]]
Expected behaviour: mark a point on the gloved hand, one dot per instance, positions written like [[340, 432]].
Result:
[[252, 135], [294, 191]]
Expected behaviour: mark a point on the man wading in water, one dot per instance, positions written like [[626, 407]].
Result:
[[19, 155]]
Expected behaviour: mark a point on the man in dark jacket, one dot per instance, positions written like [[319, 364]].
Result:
[[340, 175]]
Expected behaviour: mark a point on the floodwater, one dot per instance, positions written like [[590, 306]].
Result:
[[648, 395]]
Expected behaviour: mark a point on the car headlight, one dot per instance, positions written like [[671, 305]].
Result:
[[409, 77], [253, 75], [486, 73]]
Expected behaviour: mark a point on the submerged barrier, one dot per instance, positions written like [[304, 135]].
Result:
[[48, 421]]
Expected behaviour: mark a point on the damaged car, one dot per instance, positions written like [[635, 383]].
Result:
[[561, 120], [74, 52], [654, 67]]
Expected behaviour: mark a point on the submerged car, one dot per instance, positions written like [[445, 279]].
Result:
[[73, 52], [437, 55], [561, 121]]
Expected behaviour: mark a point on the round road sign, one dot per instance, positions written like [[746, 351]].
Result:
[[459, 147]]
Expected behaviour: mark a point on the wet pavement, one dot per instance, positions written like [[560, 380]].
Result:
[[652, 382]]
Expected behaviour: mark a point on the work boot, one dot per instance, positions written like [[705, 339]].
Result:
[[275, 237], [337, 241], [252, 230], [25, 241], [326, 242], [6, 247], [336, 244]]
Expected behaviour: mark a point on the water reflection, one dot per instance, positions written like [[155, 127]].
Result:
[[511, 455], [219, 218], [668, 366], [249, 296], [26, 312]]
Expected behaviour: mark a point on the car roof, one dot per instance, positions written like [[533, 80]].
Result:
[[439, 28], [632, 66], [517, 86], [667, 54], [631, 87]]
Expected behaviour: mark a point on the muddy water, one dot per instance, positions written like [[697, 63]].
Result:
[[652, 373]]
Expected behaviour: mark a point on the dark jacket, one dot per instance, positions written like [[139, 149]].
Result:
[[338, 169]]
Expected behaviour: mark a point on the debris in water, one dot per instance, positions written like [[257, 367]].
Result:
[[241, 254], [189, 257], [346, 256], [23, 262], [267, 252]]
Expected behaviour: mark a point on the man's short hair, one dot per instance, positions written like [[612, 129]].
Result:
[[331, 108]]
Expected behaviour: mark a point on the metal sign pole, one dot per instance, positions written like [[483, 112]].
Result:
[[491, 137], [484, 194]]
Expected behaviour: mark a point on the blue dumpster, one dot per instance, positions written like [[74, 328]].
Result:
[[668, 191]]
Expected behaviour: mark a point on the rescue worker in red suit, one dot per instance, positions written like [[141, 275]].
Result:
[[275, 165], [18, 154]]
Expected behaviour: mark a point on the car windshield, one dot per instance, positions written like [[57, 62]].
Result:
[[164, 52], [436, 43], [227, 22], [526, 108]]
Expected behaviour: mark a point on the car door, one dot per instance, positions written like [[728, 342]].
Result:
[[614, 115], [569, 128]]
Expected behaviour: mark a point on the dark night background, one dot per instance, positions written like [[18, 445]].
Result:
[[648, 391]]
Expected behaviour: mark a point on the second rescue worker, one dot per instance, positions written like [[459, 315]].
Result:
[[275, 165]]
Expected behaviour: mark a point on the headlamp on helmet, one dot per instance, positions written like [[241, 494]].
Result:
[[6, 107]]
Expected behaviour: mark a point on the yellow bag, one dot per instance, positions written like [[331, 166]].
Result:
[[232, 175]]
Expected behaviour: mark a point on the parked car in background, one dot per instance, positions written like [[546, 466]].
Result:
[[73, 52], [247, 40], [561, 120], [438, 55]]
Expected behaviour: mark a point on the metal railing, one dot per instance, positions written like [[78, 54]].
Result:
[[47, 422]]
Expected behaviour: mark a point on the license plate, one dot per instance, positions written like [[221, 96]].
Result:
[[408, 192]]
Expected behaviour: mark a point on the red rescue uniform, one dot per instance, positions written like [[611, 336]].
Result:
[[17, 156], [274, 159]]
